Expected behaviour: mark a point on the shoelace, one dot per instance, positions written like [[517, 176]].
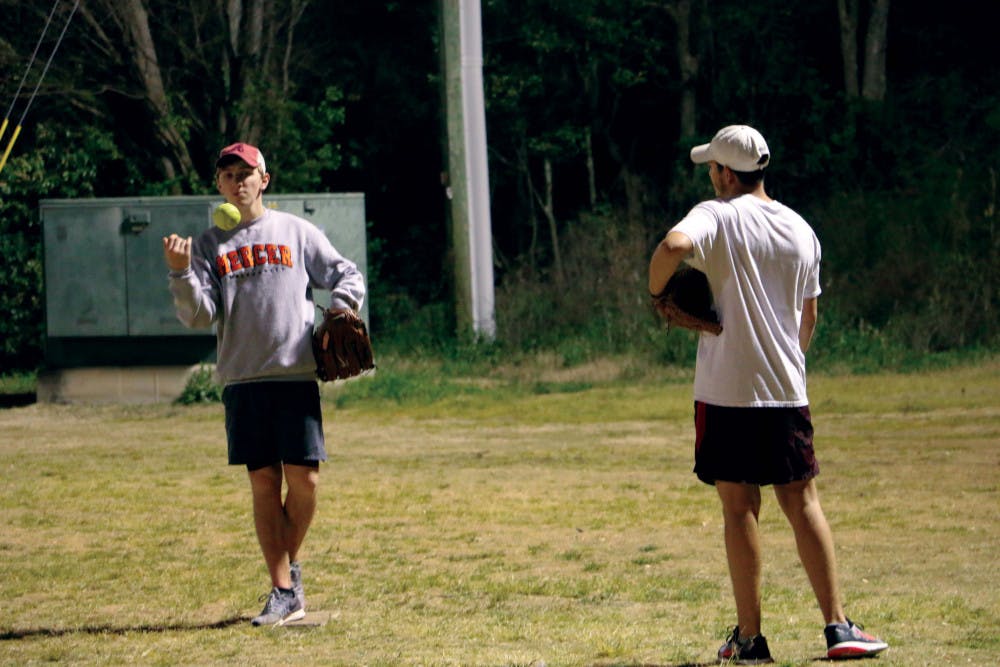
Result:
[[732, 644], [273, 600], [851, 625]]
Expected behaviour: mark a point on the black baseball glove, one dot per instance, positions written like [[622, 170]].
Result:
[[686, 302]]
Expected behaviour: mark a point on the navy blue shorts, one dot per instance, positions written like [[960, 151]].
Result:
[[272, 422], [753, 445]]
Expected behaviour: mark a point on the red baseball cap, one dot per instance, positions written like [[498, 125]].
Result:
[[249, 154]]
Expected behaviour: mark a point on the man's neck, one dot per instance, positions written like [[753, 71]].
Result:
[[254, 211], [756, 191], [759, 192]]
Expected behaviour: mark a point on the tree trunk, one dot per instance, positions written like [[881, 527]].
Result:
[[635, 196], [589, 76], [591, 172], [847, 11], [871, 83], [246, 25], [295, 15], [548, 207], [135, 22], [680, 12], [874, 84], [524, 170]]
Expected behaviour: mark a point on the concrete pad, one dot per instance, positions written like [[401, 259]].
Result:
[[312, 619], [135, 384]]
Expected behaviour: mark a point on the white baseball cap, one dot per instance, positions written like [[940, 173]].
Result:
[[739, 147]]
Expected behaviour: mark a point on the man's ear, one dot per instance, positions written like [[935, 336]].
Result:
[[264, 181], [728, 176]]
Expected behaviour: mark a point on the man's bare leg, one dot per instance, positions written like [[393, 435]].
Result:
[[300, 506], [740, 511], [270, 521], [800, 503]]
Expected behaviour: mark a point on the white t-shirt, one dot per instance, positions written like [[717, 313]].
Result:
[[762, 260]]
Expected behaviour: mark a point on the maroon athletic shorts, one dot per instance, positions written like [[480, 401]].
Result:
[[753, 445]]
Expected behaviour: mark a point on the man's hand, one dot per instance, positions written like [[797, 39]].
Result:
[[177, 252]]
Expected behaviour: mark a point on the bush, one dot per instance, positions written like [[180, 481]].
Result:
[[843, 344], [597, 306], [201, 387], [922, 268], [407, 326]]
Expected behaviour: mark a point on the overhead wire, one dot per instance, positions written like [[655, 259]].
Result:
[[27, 70], [38, 83]]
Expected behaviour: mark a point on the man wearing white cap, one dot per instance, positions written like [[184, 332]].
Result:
[[752, 420]]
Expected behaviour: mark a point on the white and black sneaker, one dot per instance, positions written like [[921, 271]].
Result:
[[745, 650], [282, 606]]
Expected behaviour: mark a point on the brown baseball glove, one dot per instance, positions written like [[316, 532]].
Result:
[[341, 345], [687, 302]]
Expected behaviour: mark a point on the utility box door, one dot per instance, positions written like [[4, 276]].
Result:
[[150, 306], [84, 263]]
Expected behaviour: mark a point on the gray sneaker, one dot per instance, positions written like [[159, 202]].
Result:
[[281, 607], [296, 570]]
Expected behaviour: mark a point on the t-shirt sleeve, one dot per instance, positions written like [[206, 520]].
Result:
[[701, 225], [813, 288]]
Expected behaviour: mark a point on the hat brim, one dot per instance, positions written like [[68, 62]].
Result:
[[701, 154]]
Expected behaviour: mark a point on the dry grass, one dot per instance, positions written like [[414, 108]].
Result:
[[563, 528]]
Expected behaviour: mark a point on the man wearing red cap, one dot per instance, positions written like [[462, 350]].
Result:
[[254, 281], [752, 421]]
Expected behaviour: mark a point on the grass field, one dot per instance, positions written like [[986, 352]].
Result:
[[558, 524]]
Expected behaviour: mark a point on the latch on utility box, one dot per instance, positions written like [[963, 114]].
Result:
[[135, 222]]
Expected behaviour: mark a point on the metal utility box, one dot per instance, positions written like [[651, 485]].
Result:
[[106, 296]]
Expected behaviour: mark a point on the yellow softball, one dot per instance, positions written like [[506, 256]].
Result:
[[226, 216]]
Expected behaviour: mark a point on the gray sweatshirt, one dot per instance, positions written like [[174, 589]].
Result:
[[255, 284]]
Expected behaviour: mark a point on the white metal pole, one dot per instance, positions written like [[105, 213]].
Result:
[[477, 170]]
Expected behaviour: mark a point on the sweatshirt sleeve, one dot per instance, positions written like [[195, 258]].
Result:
[[328, 269], [195, 299]]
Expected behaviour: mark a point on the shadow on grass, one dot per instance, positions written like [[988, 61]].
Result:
[[10, 635], [17, 400], [714, 663]]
